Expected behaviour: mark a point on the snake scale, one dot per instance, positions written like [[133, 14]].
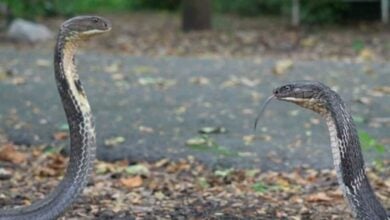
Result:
[[78, 113], [346, 151]]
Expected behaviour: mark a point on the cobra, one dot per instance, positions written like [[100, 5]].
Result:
[[78, 113], [346, 151]]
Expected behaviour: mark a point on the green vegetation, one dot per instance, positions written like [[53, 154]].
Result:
[[323, 11], [207, 144], [369, 143], [318, 11], [38, 8], [260, 187]]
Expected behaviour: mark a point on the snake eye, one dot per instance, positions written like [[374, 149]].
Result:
[[285, 88], [95, 20]]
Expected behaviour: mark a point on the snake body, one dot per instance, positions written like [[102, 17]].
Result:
[[346, 151], [79, 117]]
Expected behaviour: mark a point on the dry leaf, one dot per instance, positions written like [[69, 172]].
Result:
[[112, 68], [57, 162], [200, 80], [319, 197], [59, 136], [131, 182], [367, 54], [248, 139], [18, 80], [103, 168], [145, 129], [10, 154], [161, 162], [138, 169], [282, 66], [43, 63], [383, 89], [46, 172], [114, 141], [5, 174], [309, 41]]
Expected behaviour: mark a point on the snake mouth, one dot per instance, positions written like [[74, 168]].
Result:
[[86, 35], [293, 99], [293, 93], [94, 32]]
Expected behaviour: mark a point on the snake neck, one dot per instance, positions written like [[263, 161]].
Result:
[[82, 140], [68, 83], [349, 163]]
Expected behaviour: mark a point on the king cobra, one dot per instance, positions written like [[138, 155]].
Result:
[[346, 150], [78, 113]]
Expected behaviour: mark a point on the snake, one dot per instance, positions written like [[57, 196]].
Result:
[[82, 153], [344, 141]]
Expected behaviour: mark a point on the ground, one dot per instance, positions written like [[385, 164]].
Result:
[[185, 156], [183, 189]]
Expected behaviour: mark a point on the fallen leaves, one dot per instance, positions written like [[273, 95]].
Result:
[[319, 197], [145, 70], [145, 129], [367, 54], [114, 141], [200, 80], [212, 130], [10, 154], [163, 188], [282, 66], [385, 90], [5, 174], [159, 81], [113, 68], [195, 141], [60, 136], [138, 169], [55, 166], [249, 139], [238, 81], [131, 182], [43, 63]]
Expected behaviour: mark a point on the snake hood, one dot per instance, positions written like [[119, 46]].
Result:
[[85, 26]]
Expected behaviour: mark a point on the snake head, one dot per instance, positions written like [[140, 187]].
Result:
[[82, 27], [310, 95]]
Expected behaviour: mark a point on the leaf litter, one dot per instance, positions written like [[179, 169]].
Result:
[[181, 189]]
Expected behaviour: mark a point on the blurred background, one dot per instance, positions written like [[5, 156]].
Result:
[[228, 28]]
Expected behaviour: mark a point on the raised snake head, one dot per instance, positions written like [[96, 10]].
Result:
[[83, 27], [311, 95]]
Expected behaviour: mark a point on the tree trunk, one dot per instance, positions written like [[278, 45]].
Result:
[[196, 15]]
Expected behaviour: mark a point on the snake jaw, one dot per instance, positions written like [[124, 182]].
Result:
[[94, 32]]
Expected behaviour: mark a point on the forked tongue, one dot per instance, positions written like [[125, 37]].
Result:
[[262, 110]]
